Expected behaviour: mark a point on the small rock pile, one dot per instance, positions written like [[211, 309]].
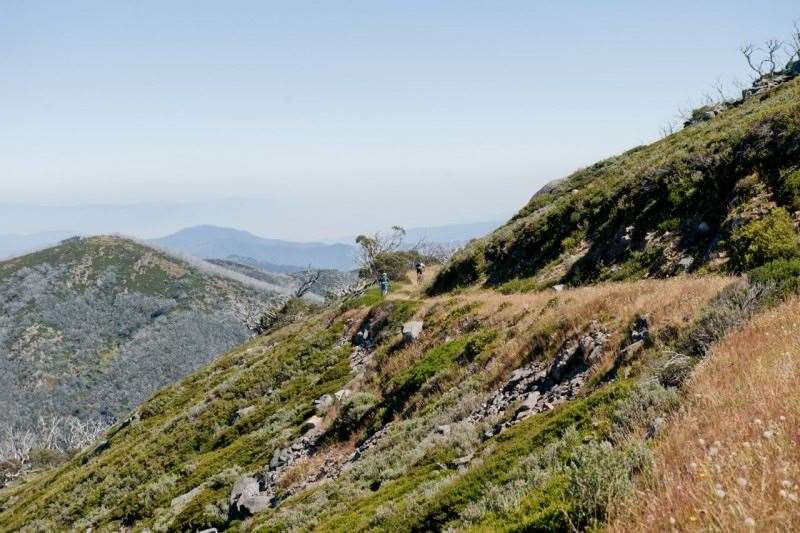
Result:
[[540, 386], [250, 496], [359, 358], [371, 442], [762, 85], [770, 81]]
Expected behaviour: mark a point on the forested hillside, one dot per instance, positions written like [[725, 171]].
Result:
[[92, 327]]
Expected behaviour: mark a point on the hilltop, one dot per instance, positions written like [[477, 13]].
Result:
[[683, 204], [632, 325], [93, 326]]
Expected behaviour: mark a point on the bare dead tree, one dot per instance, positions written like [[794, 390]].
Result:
[[747, 51], [719, 89], [768, 63], [794, 43], [375, 245], [773, 48], [667, 129], [308, 278], [63, 435], [345, 289], [685, 113], [440, 252], [252, 313]]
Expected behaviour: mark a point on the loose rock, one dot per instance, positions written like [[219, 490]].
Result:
[[412, 330]]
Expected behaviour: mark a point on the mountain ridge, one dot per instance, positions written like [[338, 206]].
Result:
[[213, 242]]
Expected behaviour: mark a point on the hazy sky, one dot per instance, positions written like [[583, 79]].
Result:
[[357, 113]]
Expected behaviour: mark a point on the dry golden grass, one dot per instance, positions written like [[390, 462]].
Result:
[[308, 466], [410, 287], [730, 460], [672, 302]]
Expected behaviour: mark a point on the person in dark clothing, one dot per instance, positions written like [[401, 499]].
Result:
[[383, 283]]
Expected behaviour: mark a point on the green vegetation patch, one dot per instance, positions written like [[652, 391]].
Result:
[[761, 241], [439, 359], [188, 434]]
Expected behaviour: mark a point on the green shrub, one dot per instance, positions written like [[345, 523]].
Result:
[[352, 412], [735, 304], [397, 263], [600, 475], [465, 268], [767, 239], [370, 298], [789, 185], [783, 273], [521, 285]]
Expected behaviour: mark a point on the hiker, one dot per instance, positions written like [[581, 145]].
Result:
[[419, 266], [383, 282]]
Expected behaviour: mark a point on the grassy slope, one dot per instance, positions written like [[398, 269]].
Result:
[[189, 436], [731, 459], [575, 232]]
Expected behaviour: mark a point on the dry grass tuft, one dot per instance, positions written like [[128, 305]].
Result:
[[730, 460]]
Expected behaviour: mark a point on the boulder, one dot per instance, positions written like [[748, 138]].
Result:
[[656, 425], [516, 377], [323, 403], [255, 504], [559, 287], [342, 395], [244, 411], [280, 457], [461, 461], [312, 425], [528, 405], [686, 262], [444, 429], [246, 487], [412, 330], [531, 400]]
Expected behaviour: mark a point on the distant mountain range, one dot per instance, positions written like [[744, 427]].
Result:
[[212, 242], [272, 255]]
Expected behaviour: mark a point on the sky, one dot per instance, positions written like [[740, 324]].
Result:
[[326, 118]]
